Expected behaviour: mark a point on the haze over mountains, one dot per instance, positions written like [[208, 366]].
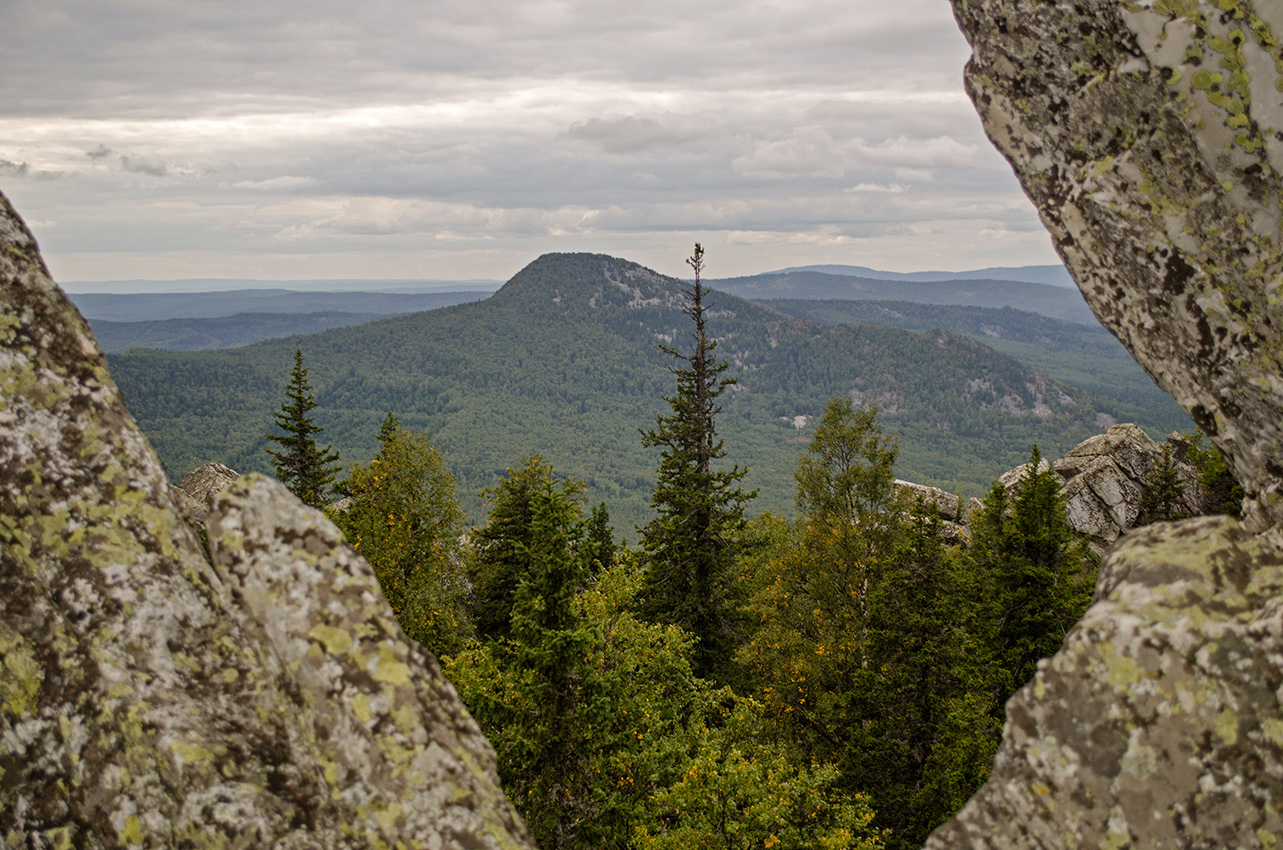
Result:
[[1050, 275], [563, 360]]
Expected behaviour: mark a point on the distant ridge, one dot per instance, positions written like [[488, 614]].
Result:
[[1057, 302], [1048, 275], [160, 306], [219, 284], [565, 361]]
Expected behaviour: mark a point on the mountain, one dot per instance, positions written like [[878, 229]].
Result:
[[1049, 275], [1055, 301], [564, 361], [1085, 356]]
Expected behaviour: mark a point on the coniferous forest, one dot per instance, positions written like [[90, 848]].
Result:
[[834, 679], [831, 678], [565, 361]]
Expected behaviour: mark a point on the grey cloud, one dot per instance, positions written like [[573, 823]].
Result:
[[305, 125], [139, 166], [632, 133], [23, 169]]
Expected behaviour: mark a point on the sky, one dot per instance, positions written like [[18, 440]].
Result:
[[315, 139]]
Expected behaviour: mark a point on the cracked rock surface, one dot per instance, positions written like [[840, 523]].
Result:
[[1149, 135], [151, 698]]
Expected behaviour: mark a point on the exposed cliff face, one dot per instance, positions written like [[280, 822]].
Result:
[[150, 697], [1150, 137]]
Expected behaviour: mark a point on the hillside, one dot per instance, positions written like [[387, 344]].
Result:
[[1084, 356], [220, 332], [1058, 302], [563, 360]]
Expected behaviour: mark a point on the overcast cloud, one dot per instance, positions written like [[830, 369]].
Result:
[[406, 139]]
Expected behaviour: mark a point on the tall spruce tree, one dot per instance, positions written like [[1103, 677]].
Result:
[[691, 546], [306, 469]]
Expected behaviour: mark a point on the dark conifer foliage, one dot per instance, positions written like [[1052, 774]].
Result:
[[503, 554], [301, 465], [692, 544]]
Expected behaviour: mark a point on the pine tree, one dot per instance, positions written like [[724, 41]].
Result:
[[692, 545], [1042, 572], [1164, 498], [502, 559], [301, 465]]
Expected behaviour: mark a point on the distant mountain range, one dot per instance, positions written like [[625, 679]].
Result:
[[564, 361], [1057, 302], [159, 306], [223, 284], [1049, 275]]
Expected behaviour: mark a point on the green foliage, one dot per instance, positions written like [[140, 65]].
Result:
[[588, 710], [1042, 572], [864, 655], [563, 362], [1164, 498], [301, 465], [502, 553], [846, 472], [693, 542], [1221, 491], [600, 540], [741, 791], [404, 519]]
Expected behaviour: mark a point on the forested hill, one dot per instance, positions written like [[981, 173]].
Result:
[[564, 361]]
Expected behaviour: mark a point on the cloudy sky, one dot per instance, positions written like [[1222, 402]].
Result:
[[292, 139]]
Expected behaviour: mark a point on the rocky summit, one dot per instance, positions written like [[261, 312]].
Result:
[[1148, 135], [150, 697]]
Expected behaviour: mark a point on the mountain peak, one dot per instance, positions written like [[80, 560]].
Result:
[[589, 281]]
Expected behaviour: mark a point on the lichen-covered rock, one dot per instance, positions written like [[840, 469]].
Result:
[[1158, 724], [203, 483], [150, 698], [1104, 480], [1150, 137], [945, 502]]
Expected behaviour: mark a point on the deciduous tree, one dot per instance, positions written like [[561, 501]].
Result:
[[404, 517]]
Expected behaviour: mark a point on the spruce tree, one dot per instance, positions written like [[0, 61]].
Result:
[[691, 546], [301, 465]]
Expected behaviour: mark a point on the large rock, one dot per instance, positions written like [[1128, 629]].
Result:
[[1150, 137], [1105, 478], [151, 698], [202, 484], [1158, 722]]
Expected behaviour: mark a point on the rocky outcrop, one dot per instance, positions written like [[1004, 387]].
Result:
[[1158, 723], [151, 698], [1104, 480], [945, 502], [202, 484], [1150, 138]]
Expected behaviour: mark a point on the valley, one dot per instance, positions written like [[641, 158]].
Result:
[[564, 361]]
